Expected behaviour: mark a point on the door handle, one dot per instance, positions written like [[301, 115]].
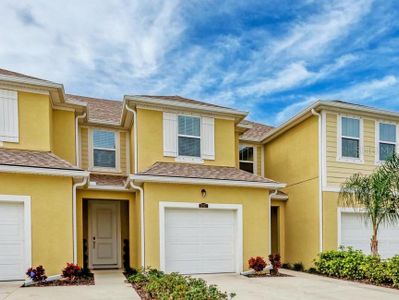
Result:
[[94, 242]]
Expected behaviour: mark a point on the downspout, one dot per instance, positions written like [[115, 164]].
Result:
[[77, 150], [270, 219], [134, 137], [74, 225], [320, 180], [139, 188]]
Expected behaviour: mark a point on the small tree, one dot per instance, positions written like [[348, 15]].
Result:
[[376, 194]]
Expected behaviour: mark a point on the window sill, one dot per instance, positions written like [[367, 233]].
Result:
[[9, 139], [350, 160], [188, 159], [105, 170]]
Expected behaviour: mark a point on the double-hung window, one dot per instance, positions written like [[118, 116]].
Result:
[[246, 157], [189, 136], [104, 149], [387, 140], [350, 138]]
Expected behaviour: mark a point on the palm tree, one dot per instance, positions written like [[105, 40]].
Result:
[[376, 195]]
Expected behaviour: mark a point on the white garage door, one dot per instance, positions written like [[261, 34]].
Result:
[[12, 264], [356, 233], [200, 240]]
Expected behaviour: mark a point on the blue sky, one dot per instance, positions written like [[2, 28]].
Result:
[[271, 58]]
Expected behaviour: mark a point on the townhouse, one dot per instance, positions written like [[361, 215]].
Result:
[[175, 183]]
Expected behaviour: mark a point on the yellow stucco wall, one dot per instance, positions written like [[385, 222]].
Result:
[[150, 140], [330, 220], [84, 195], [63, 132], [292, 158], [34, 118], [254, 208], [51, 216]]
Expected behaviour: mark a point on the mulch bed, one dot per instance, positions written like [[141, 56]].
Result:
[[143, 294], [267, 275], [87, 280]]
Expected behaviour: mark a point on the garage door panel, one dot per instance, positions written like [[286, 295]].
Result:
[[200, 240], [356, 232], [12, 260]]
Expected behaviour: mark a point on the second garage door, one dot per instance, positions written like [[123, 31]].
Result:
[[200, 240], [356, 233]]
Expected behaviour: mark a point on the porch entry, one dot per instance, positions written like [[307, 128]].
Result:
[[104, 234]]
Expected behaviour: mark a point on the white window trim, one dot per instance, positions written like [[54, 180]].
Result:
[[378, 141], [254, 162], [26, 200], [184, 158], [91, 152], [194, 205], [341, 158]]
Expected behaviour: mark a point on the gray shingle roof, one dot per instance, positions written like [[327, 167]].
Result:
[[105, 180], [256, 133], [186, 170], [37, 159]]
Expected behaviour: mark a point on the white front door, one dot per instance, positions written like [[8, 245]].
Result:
[[200, 240], [104, 234], [12, 241]]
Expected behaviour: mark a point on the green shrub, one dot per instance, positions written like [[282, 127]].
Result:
[[287, 266], [375, 270], [175, 286], [298, 267], [343, 263], [393, 270], [351, 264]]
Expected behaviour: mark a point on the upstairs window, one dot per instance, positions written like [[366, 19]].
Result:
[[387, 140], [189, 136], [246, 157], [104, 149], [350, 138]]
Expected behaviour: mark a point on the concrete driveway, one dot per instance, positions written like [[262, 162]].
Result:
[[300, 286]]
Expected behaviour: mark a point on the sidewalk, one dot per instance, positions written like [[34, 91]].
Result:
[[110, 284]]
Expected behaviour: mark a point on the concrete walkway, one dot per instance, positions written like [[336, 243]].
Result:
[[301, 286], [110, 284]]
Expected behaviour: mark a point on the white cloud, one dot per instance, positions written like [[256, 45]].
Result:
[[63, 41], [366, 92]]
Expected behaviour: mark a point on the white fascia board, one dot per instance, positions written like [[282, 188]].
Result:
[[220, 182], [38, 82], [321, 104], [215, 109], [42, 171]]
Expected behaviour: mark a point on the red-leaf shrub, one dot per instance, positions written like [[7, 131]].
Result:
[[275, 260], [258, 263], [37, 273], [71, 271]]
